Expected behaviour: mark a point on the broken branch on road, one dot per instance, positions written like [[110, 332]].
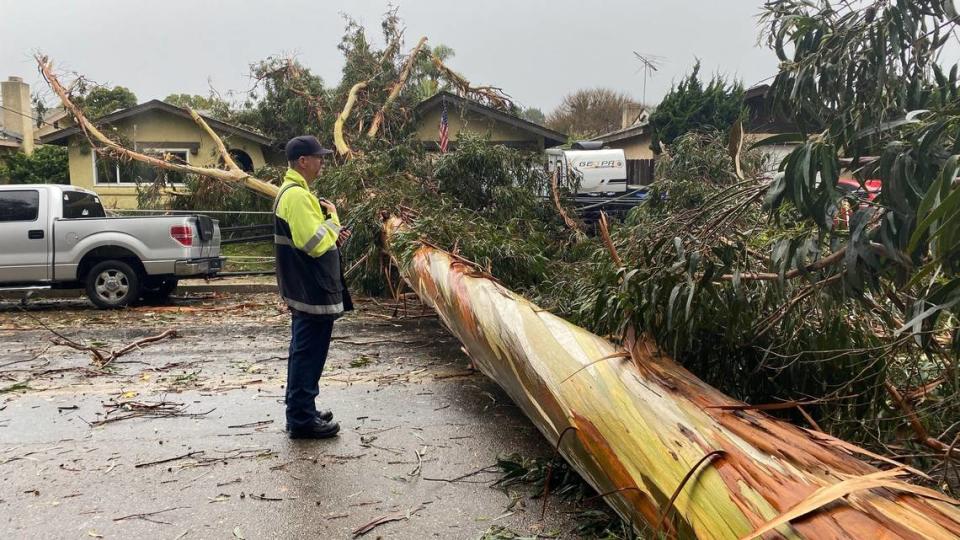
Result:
[[145, 409], [147, 516], [101, 357], [398, 516]]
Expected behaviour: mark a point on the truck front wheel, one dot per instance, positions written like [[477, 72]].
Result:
[[112, 284]]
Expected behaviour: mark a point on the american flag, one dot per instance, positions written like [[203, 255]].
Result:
[[444, 134]]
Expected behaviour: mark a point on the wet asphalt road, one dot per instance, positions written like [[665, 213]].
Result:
[[183, 438]]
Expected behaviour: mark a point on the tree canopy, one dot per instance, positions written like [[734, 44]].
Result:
[[103, 100], [589, 112], [691, 105], [534, 114], [210, 105]]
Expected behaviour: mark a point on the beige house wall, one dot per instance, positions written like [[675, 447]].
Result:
[[475, 124], [634, 147], [152, 127], [776, 153]]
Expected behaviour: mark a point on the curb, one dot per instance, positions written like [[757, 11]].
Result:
[[234, 288]]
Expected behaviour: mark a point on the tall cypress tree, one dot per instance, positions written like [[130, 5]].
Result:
[[691, 106]]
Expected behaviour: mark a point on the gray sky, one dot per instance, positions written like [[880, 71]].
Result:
[[536, 50]]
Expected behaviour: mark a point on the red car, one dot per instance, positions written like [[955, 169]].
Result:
[[852, 189]]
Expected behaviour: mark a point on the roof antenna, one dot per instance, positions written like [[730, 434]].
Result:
[[649, 63]]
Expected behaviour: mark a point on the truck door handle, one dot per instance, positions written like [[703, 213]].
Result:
[[35, 234]]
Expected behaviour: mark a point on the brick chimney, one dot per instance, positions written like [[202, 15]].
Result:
[[17, 115]]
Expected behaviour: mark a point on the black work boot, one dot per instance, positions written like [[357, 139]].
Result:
[[318, 430], [323, 416]]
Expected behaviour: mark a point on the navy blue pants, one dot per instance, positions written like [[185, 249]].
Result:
[[309, 343]]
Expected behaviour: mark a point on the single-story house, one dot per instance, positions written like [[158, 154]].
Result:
[[468, 116], [634, 135], [161, 129]]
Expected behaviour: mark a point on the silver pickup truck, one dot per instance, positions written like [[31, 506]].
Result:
[[60, 237]]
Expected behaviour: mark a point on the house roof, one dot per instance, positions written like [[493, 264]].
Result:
[[759, 90], [761, 118], [625, 133], [550, 137], [14, 139], [7, 135], [61, 136]]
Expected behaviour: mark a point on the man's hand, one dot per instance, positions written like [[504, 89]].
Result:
[[343, 236], [328, 206]]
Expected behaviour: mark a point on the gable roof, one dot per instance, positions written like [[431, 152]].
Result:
[[61, 136], [624, 133], [550, 137], [762, 119]]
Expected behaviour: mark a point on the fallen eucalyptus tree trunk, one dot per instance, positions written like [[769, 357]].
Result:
[[662, 447]]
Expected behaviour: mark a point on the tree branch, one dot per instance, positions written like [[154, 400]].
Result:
[[395, 90], [338, 139], [555, 190], [796, 272], [221, 148], [605, 234], [109, 146]]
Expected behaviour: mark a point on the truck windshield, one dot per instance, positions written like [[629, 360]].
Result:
[[77, 204]]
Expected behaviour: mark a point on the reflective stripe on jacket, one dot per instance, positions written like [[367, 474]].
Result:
[[305, 243]]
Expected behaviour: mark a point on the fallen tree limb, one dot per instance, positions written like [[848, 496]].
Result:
[[342, 147], [490, 95], [221, 148], [921, 432], [100, 357], [107, 146], [820, 264], [395, 89], [103, 358], [642, 424], [555, 193], [607, 241]]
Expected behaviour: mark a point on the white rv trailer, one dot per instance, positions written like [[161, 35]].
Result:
[[597, 170]]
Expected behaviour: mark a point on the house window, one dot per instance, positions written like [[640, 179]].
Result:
[[111, 171]]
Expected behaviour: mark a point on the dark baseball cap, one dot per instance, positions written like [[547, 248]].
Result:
[[305, 145]]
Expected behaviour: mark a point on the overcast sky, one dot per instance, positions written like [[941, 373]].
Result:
[[536, 50]]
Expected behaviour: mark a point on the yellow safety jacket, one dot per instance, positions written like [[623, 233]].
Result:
[[305, 243]]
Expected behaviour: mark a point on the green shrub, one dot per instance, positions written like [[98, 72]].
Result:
[[47, 165]]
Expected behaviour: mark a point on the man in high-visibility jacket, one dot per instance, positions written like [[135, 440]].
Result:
[[306, 233]]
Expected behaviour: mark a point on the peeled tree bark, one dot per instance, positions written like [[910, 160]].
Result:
[[644, 431], [342, 147]]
